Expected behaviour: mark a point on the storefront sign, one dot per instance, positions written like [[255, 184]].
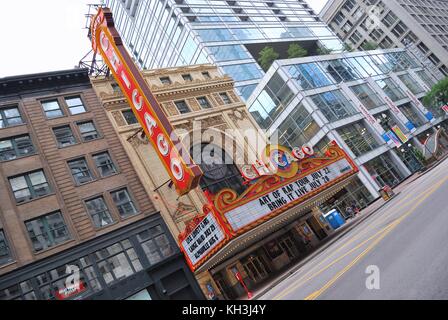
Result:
[[207, 235], [393, 137], [400, 134], [277, 199], [177, 161], [445, 108], [277, 160]]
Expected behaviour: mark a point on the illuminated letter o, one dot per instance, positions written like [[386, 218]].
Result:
[[308, 150], [177, 169]]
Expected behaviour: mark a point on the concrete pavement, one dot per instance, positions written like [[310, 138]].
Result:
[[405, 240]]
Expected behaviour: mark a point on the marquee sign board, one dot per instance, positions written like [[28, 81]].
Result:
[[207, 235], [184, 173], [232, 215], [279, 198]]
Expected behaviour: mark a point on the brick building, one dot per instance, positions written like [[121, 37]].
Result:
[[72, 205]]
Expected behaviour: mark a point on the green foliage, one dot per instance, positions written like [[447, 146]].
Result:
[[323, 51], [419, 155], [296, 51], [266, 57], [348, 47], [370, 45], [438, 96]]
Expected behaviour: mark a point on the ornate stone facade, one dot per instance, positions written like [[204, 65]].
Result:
[[170, 87]]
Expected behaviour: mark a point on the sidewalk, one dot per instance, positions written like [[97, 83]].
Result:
[[338, 234]]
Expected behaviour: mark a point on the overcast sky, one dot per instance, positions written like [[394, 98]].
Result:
[[48, 35]]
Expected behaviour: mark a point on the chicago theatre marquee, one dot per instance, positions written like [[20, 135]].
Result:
[[244, 237], [236, 224]]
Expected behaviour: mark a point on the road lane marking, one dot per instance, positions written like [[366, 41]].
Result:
[[395, 224], [297, 284]]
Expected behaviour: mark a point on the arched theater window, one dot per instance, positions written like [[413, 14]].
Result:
[[218, 174]]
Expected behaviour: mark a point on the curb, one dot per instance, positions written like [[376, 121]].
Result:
[[317, 252], [336, 238]]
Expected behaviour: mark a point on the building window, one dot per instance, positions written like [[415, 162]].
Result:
[[155, 244], [64, 136], [392, 90], [225, 97], [10, 116], [204, 103], [124, 203], [88, 131], [182, 106], [5, 254], [165, 80], [29, 186], [206, 75], [104, 164], [16, 147], [384, 171], [310, 76], [80, 171], [411, 84], [99, 212], [426, 78], [118, 261], [20, 291], [52, 282], [52, 109], [334, 105], [47, 231], [367, 96], [219, 170], [116, 88], [358, 138], [411, 114], [187, 77], [75, 105], [129, 117]]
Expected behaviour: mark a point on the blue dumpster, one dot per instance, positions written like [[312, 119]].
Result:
[[334, 218]]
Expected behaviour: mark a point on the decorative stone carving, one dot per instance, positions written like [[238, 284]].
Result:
[[193, 104], [170, 108], [118, 117]]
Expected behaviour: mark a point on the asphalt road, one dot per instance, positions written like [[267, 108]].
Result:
[[400, 252]]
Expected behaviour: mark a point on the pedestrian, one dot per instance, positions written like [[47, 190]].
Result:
[[349, 212], [355, 208]]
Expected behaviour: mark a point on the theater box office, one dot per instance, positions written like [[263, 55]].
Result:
[[138, 262]]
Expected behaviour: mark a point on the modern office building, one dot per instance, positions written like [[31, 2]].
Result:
[[229, 34], [421, 25], [75, 220], [369, 102]]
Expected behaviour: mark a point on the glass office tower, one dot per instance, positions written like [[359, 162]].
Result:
[[230, 34]]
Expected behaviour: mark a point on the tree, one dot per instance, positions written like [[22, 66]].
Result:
[[323, 51], [296, 51], [266, 57], [438, 96], [348, 47], [370, 45]]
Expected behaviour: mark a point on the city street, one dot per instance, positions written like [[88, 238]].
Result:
[[403, 244]]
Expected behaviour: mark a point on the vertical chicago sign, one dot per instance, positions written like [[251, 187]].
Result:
[[184, 173]]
